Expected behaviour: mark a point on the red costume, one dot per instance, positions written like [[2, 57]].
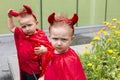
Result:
[[66, 66], [28, 60]]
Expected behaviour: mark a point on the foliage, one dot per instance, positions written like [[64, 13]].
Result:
[[102, 62]]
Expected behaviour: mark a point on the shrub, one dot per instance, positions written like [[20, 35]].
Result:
[[102, 62]]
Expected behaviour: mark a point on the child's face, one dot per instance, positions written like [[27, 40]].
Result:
[[61, 38], [28, 24]]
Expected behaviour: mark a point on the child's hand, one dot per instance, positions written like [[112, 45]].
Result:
[[41, 49], [9, 11]]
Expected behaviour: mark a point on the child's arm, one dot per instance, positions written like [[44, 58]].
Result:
[[11, 24]]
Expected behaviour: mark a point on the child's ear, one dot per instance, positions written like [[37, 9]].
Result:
[[37, 22], [72, 38]]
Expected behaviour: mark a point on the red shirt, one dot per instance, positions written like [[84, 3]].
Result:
[[28, 60], [66, 66]]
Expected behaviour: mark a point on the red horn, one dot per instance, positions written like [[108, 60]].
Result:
[[74, 19], [13, 13], [51, 18], [28, 9]]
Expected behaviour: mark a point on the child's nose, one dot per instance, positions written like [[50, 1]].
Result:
[[27, 28], [59, 42]]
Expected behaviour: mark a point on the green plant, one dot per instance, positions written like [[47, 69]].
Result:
[[102, 62]]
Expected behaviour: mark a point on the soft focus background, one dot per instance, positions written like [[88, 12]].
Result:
[[91, 12]]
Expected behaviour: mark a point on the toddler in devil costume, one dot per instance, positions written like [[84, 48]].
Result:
[[31, 43], [65, 63]]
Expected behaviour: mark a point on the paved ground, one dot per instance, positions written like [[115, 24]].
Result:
[[7, 48]]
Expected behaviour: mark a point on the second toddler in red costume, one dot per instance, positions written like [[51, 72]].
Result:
[[31, 43]]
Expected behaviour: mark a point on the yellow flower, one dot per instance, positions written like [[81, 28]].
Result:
[[97, 38], [106, 23], [117, 22], [106, 34], [109, 40], [91, 42], [111, 27], [99, 32], [103, 29], [117, 32], [89, 64], [114, 19], [110, 51], [86, 46], [85, 52]]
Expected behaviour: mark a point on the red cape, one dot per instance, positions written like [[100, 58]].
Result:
[[66, 66], [27, 50], [44, 58]]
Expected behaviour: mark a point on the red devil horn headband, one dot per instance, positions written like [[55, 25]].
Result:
[[13, 13], [72, 21], [27, 10], [51, 18]]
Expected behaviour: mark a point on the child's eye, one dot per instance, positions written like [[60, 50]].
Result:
[[29, 24], [55, 39], [23, 26], [64, 40]]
